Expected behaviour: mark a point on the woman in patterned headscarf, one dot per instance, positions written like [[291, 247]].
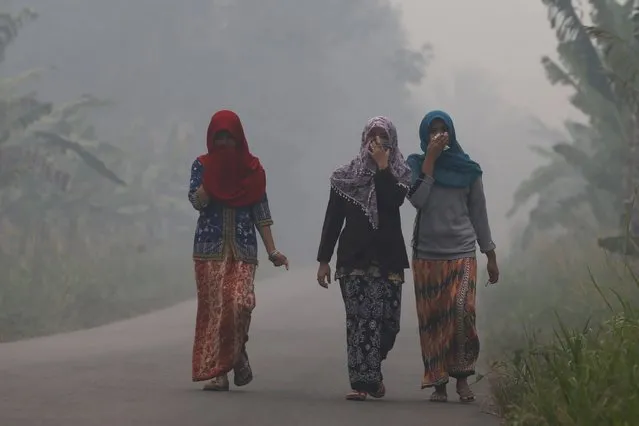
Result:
[[371, 258], [228, 188]]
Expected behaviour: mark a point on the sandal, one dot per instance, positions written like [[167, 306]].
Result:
[[439, 396], [380, 392], [218, 384], [243, 374], [466, 395], [356, 396]]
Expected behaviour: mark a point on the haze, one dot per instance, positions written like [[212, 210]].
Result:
[[153, 59], [304, 76]]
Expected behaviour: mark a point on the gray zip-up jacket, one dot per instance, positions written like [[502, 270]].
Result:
[[450, 222]]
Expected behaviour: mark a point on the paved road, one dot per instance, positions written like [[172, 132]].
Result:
[[137, 372]]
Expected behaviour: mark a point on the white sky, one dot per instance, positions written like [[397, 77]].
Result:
[[506, 38]]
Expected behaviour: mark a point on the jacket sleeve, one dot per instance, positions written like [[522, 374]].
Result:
[[420, 191], [332, 228], [479, 216], [390, 194], [196, 180]]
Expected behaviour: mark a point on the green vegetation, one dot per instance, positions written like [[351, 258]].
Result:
[[83, 223], [564, 325], [585, 378]]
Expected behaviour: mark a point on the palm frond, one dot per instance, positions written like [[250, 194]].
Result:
[[540, 179], [541, 129], [579, 132], [9, 26], [591, 170], [563, 18], [550, 215], [9, 85], [19, 114], [66, 111], [622, 63], [89, 159], [634, 18], [543, 152], [556, 74], [576, 45], [602, 13]]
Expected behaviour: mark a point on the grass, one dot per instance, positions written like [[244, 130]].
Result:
[[550, 279], [581, 378], [578, 365]]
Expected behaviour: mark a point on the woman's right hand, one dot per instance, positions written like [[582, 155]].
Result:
[[324, 275], [437, 146]]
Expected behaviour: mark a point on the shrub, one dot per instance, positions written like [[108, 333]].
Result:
[[580, 363]]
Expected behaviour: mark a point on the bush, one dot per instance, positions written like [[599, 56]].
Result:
[[553, 277], [581, 378], [580, 362]]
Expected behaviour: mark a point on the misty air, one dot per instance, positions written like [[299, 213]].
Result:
[[261, 212]]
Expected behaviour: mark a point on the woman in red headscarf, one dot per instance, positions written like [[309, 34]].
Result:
[[228, 188]]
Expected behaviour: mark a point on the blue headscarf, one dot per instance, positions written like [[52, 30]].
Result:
[[453, 168]]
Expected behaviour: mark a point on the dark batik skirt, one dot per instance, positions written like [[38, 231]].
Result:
[[373, 311]]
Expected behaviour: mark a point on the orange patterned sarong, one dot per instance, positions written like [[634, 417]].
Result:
[[445, 295], [225, 301]]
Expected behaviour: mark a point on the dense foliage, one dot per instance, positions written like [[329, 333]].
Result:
[[568, 311]]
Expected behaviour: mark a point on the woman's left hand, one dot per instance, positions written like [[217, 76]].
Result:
[[202, 195], [493, 271], [278, 259]]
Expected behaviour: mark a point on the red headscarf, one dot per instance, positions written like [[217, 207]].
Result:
[[232, 175]]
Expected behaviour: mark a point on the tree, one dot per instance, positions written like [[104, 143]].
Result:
[[589, 163], [620, 46]]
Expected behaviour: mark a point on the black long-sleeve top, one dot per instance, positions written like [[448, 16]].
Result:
[[360, 245]]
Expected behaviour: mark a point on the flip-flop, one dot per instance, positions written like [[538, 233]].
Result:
[[356, 396]]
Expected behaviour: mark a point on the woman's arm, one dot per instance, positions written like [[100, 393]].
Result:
[[332, 228], [420, 191], [197, 196], [479, 218], [262, 217], [263, 221], [390, 193]]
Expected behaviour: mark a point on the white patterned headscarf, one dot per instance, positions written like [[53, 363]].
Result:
[[354, 181]]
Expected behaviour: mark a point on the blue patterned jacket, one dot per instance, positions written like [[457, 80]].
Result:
[[220, 227]]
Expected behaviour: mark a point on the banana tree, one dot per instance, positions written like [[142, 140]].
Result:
[[592, 155], [620, 46]]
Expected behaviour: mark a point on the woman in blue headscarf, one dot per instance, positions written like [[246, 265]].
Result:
[[451, 220]]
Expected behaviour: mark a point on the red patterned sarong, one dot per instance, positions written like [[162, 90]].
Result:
[[225, 300]]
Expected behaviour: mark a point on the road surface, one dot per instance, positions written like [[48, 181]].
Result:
[[137, 372]]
